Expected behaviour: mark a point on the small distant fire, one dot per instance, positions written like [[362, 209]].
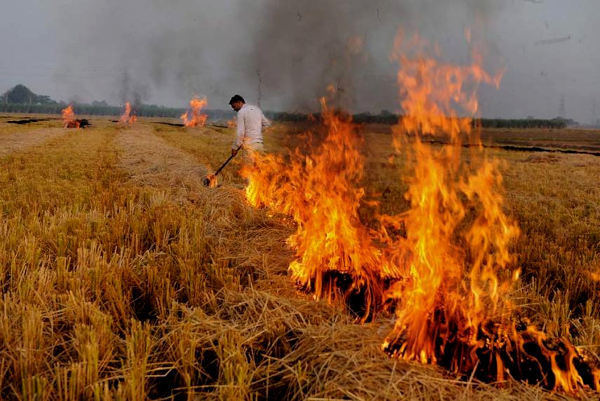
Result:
[[194, 117], [444, 265], [127, 117], [69, 118]]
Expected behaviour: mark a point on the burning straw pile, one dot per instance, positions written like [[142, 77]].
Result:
[[127, 117], [194, 116], [69, 120], [445, 264]]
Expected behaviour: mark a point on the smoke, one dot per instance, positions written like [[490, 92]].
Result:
[[131, 91], [301, 47], [279, 52], [327, 44]]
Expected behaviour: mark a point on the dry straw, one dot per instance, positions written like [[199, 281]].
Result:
[[123, 277]]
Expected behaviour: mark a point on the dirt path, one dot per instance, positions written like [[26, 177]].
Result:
[[18, 141], [255, 242]]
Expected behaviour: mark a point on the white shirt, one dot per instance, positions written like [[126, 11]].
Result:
[[250, 121]]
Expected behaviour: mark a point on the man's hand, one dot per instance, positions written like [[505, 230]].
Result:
[[234, 152]]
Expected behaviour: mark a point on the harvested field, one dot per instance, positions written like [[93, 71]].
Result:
[[124, 277], [150, 160], [567, 140], [20, 141]]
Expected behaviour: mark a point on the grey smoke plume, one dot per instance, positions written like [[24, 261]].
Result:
[[301, 47], [287, 52]]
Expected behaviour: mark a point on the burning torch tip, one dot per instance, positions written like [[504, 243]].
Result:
[[210, 181]]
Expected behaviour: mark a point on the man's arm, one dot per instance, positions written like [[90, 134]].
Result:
[[240, 133]]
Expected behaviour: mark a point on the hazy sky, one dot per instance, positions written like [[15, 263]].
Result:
[[165, 52]]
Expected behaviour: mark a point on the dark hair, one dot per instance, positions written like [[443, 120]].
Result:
[[236, 98]]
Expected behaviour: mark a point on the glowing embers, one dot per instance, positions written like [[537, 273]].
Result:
[[210, 181], [127, 117], [194, 116], [493, 352]]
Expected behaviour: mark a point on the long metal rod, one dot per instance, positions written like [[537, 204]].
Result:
[[227, 161]]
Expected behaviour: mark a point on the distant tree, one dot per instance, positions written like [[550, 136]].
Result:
[[568, 122], [44, 99], [21, 94]]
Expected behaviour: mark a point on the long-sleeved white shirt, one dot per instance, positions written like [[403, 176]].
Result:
[[250, 121]]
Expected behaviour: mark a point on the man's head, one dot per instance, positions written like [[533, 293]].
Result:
[[237, 102]]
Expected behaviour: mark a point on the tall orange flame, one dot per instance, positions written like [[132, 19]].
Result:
[[448, 257], [69, 119], [127, 117], [194, 117], [320, 189], [432, 93], [454, 310]]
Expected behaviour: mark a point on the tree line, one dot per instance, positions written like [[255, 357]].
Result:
[[21, 99], [106, 110], [169, 112]]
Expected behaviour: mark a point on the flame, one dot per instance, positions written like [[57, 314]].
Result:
[[445, 264], [211, 181], [193, 117], [126, 117], [319, 188], [454, 308], [69, 117]]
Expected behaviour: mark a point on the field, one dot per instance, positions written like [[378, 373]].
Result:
[[124, 277]]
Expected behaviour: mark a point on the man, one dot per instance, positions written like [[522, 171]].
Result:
[[250, 122]]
